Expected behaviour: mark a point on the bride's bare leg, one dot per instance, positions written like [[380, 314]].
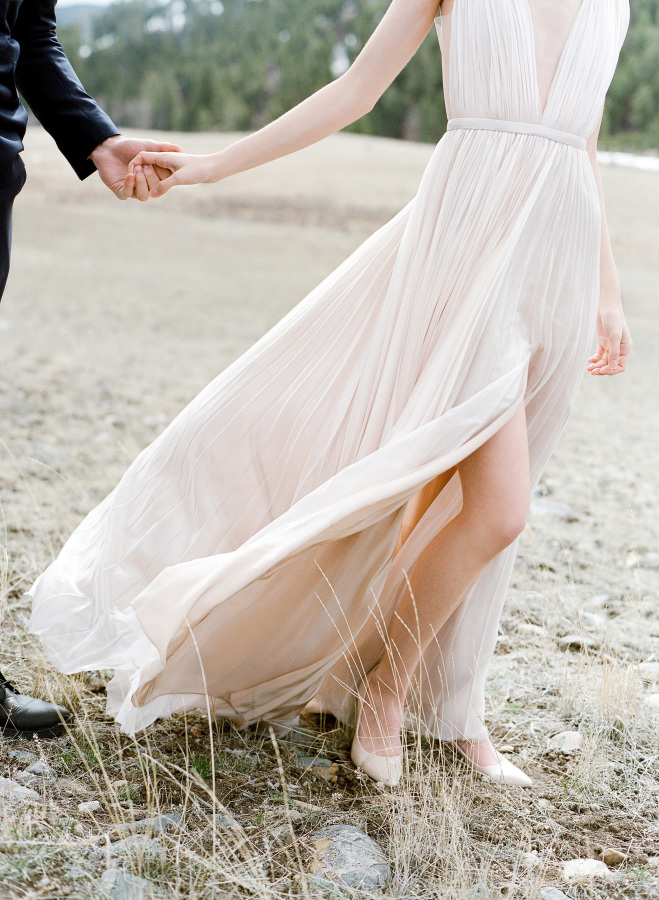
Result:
[[495, 488], [419, 503]]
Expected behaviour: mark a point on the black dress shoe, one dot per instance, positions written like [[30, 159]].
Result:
[[21, 715]]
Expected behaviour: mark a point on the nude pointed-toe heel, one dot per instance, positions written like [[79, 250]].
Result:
[[503, 773], [385, 769]]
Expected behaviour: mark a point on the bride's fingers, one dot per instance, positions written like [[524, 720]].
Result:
[[599, 364], [161, 173], [141, 187], [169, 161], [163, 186], [613, 355], [151, 178]]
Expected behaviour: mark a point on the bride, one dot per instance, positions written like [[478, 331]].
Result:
[[333, 520]]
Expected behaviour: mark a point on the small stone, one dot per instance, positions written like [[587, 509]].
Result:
[[11, 790], [316, 762], [592, 620], [613, 857], [331, 774], [118, 785], [138, 845], [344, 855], [41, 769], [155, 825], [531, 628], [652, 700], [29, 781], [566, 741], [23, 756], [552, 893], [542, 507], [531, 860], [649, 671], [544, 803], [91, 806], [584, 870], [222, 821], [120, 885], [578, 642]]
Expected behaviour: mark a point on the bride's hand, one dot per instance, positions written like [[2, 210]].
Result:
[[181, 168], [614, 342]]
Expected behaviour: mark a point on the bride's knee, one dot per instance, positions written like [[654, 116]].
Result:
[[494, 530]]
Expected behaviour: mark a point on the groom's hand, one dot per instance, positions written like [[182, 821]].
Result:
[[112, 157]]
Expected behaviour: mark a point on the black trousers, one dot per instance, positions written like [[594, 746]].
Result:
[[7, 196]]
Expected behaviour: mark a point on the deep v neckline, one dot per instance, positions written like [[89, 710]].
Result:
[[561, 59]]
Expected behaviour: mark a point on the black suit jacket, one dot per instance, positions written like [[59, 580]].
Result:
[[33, 62]]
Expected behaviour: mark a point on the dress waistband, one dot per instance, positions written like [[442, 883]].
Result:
[[563, 137]]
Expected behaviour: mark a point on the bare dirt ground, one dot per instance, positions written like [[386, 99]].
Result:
[[115, 316]]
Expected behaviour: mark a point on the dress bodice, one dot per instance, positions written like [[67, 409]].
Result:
[[492, 65]]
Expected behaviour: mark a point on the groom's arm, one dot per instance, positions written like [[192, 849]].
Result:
[[46, 79]]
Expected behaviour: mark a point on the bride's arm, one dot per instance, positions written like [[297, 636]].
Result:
[[391, 46], [614, 343]]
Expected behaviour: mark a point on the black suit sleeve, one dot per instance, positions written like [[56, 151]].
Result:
[[46, 79]]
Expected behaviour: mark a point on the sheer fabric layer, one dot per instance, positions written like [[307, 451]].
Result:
[[245, 557]]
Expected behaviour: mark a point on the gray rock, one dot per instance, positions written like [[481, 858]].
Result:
[[91, 806], [649, 671], [583, 870], [566, 741], [41, 769], [552, 893], [222, 821], [591, 620], [12, 790], [156, 825], [23, 756], [542, 507], [120, 885], [344, 855], [313, 761], [137, 845]]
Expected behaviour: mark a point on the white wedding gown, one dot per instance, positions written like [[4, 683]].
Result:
[[242, 564]]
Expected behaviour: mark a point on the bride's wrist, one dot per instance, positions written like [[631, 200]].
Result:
[[216, 168], [610, 299]]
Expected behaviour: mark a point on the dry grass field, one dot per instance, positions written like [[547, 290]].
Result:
[[115, 316]]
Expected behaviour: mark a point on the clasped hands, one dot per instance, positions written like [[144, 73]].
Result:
[[135, 168], [113, 159]]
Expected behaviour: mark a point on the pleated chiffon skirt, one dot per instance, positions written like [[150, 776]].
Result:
[[243, 564]]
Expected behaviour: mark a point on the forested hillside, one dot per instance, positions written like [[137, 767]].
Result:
[[236, 64]]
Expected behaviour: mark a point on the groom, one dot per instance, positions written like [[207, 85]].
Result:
[[33, 62]]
